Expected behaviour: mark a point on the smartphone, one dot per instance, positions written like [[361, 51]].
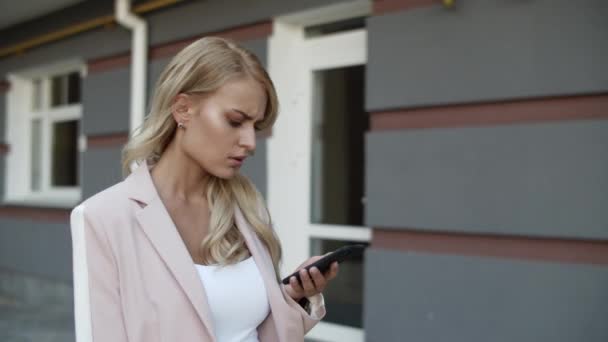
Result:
[[323, 264]]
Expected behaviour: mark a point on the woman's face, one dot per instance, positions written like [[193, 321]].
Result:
[[219, 131]]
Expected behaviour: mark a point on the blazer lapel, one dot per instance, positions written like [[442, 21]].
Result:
[[278, 306], [162, 233]]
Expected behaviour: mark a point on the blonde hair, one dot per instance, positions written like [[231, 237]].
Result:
[[203, 67]]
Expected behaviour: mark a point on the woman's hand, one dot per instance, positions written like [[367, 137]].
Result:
[[313, 281]]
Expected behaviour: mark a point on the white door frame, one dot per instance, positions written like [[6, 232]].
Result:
[[292, 60]]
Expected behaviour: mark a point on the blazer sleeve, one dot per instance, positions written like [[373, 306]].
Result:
[[309, 320], [97, 305]]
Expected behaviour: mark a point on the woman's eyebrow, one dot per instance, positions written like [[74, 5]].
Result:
[[243, 114]]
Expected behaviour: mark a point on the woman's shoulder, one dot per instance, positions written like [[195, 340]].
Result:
[[107, 202]]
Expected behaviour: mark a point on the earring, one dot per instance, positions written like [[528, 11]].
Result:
[[180, 125]]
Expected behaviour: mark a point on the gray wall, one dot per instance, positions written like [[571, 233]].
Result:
[[2, 174], [487, 50], [36, 247], [548, 179], [106, 101], [423, 297], [100, 169], [545, 179]]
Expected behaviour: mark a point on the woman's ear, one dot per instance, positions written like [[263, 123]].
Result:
[[182, 108]]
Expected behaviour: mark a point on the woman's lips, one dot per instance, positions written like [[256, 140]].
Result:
[[236, 161]]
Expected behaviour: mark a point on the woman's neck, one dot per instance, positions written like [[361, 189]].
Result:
[[178, 177]]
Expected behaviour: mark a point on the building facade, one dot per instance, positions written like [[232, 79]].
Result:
[[465, 142]]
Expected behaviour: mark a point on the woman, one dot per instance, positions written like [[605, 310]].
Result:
[[183, 249]]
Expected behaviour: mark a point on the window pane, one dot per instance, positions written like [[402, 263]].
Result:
[[344, 294], [36, 94], [340, 122], [335, 27], [36, 155], [74, 88], [65, 154], [58, 91]]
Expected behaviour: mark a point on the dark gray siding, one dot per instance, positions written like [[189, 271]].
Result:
[[2, 175], [106, 101], [547, 179], [35, 247], [101, 168], [487, 50], [421, 297]]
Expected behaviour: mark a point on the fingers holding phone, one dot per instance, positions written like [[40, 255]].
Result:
[[312, 281], [312, 276]]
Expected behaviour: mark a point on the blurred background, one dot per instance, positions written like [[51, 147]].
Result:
[[464, 141]]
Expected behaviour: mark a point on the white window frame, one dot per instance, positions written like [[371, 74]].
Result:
[[20, 114], [290, 146]]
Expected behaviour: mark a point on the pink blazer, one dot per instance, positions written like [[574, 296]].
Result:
[[135, 281]]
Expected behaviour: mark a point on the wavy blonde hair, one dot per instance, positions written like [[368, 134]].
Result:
[[203, 67]]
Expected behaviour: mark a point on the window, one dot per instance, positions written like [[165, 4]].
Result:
[[337, 155], [44, 111], [316, 152]]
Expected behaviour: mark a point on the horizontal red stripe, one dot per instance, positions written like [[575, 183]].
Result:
[[509, 247], [499, 113], [107, 140], [387, 6], [44, 214], [108, 63]]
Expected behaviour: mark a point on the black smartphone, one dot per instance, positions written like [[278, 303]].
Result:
[[324, 263]]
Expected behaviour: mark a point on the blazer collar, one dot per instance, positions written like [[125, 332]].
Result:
[[286, 326], [157, 224], [140, 186]]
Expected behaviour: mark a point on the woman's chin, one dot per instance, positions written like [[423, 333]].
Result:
[[227, 173]]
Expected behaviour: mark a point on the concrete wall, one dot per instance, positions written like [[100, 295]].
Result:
[[101, 168], [36, 247], [106, 101], [425, 297], [543, 181], [485, 51]]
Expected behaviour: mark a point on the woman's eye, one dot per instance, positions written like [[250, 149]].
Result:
[[235, 124]]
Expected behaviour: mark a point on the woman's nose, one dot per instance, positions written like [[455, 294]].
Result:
[[248, 139]]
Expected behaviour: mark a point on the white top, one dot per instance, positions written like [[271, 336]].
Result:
[[237, 299]]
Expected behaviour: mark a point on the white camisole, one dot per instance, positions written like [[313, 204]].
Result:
[[237, 299]]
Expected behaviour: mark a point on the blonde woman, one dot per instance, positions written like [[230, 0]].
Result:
[[183, 249]]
